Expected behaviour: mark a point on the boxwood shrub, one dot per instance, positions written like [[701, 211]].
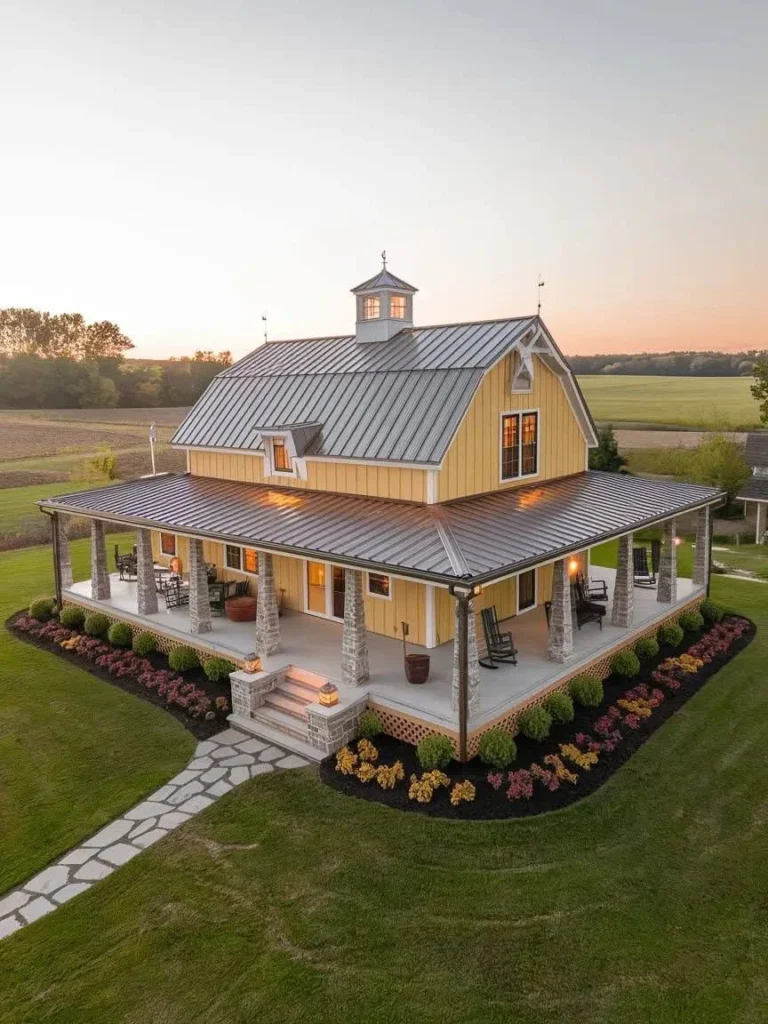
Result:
[[42, 608], [183, 659], [217, 669], [435, 751], [144, 644], [671, 634], [691, 622], [120, 634], [72, 617], [711, 610], [560, 706], [96, 625], [625, 663], [535, 723], [587, 691], [497, 749], [370, 725], [647, 647]]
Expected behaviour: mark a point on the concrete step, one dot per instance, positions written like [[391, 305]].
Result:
[[283, 723], [305, 677], [265, 729], [301, 692], [286, 703]]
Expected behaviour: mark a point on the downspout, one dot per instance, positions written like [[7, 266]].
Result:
[[710, 532], [55, 546], [463, 598]]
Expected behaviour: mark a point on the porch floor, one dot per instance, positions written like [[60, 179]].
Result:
[[314, 644]]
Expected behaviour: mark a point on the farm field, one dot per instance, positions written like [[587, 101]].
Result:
[[704, 402]]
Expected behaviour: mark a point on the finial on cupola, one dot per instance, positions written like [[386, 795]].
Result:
[[384, 305]]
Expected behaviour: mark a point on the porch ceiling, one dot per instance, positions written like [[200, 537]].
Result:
[[476, 539]]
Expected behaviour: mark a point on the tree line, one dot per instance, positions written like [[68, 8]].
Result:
[[671, 364], [59, 361]]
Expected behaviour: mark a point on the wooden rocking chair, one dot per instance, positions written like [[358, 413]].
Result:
[[499, 646]]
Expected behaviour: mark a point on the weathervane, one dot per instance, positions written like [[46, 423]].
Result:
[[383, 259], [264, 318], [539, 286]]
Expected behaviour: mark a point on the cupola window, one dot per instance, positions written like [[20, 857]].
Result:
[[371, 307], [398, 307]]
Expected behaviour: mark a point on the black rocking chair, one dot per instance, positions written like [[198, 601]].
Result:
[[176, 593], [499, 646], [586, 610], [645, 576], [594, 590]]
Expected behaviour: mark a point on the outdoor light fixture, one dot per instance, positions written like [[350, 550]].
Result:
[[678, 541], [573, 565], [477, 590], [328, 695], [251, 662]]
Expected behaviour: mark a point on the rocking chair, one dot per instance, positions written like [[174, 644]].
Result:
[[499, 646], [644, 576], [586, 610], [593, 590]]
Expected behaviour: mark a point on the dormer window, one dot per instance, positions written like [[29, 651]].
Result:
[[281, 460], [398, 307], [371, 307]]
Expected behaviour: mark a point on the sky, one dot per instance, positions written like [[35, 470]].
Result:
[[184, 168]]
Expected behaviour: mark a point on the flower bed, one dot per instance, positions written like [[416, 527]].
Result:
[[574, 760], [201, 705]]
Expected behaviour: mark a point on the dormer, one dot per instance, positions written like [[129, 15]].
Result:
[[384, 306]]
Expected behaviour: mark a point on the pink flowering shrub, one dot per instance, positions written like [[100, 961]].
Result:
[[520, 785], [547, 778], [632, 721], [496, 779], [611, 741]]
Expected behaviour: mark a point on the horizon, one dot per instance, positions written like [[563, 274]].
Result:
[[182, 172]]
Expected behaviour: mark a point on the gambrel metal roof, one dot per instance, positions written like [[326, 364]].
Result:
[[475, 539], [400, 400]]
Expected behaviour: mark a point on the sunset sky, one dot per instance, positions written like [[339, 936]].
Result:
[[180, 168]]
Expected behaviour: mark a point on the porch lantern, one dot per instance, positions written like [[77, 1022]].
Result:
[[573, 565], [251, 662], [328, 695]]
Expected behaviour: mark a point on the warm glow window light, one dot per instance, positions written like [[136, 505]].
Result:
[[398, 306], [371, 307]]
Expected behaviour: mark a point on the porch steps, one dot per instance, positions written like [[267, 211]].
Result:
[[263, 728], [287, 703]]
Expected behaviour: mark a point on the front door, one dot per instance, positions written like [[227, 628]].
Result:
[[338, 593], [325, 590]]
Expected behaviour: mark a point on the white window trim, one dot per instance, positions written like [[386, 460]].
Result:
[[242, 569], [371, 593], [168, 554], [520, 476], [329, 567], [273, 471], [530, 608]]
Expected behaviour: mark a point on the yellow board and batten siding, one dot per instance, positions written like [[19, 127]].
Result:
[[473, 462]]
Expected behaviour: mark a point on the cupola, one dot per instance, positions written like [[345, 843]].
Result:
[[384, 305]]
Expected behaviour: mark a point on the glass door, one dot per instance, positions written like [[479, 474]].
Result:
[[338, 593], [316, 596]]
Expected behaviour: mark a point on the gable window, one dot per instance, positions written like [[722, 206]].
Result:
[[379, 585], [526, 590], [234, 557], [168, 543], [250, 560], [281, 460], [519, 445], [371, 307], [398, 307]]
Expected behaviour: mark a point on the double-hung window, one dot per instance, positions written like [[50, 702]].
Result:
[[234, 557], [281, 460], [519, 444]]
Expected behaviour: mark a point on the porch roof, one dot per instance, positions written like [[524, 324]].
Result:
[[475, 539]]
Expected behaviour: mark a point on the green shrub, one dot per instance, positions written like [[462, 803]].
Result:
[[72, 617], [497, 749], [217, 669], [625, 663], [671, 634], [120, 634], [370, 725], [535, 723], [711, 610], [691, 622], [435, 751], [560, 706], [647, 647], [183, 659], [97, 625], [42, 608], [144, 644], [587, 691]]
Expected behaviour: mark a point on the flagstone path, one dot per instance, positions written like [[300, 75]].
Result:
[[220, 763]]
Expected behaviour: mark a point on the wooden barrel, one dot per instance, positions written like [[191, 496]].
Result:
[[417, 668]]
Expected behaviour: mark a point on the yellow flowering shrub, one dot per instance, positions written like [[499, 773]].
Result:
[[641, 708], [421, 790], [366, 751], [685, 662], [71, 644], [583, 758], [346, 761], [557, 766], [388, 774], [437, 778], [462, 791], [366, 771]]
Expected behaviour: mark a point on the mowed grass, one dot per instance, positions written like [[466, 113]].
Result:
[[752, 557], [74, 751], [286, 901], [704, 402]]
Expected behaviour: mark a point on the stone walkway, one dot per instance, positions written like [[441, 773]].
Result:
[[218, 764]]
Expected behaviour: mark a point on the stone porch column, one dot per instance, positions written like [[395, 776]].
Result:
[[701, 557], [146, 593], [624, 587], [473, 663], [354, 638], [666, 590], [65, 559], [560, 643], [760, 508], [267, 622], [100, 589], [199, 602]]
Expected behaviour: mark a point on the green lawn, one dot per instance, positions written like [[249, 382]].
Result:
[[17, 504], [753, 557], [74, 751], [286, 901], [704, 402]]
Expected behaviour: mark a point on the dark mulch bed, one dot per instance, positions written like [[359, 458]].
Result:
[[490, 803], [199, 727]]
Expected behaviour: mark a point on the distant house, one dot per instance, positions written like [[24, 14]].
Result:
[[395, 478], [755, 490]]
